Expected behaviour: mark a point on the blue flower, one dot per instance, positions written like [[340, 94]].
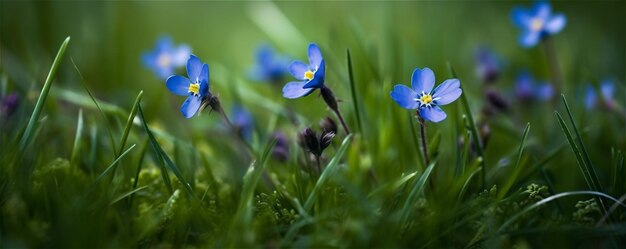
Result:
[[607, 89], [422, 96], [526, 89], [488, 65], [537, 22], [196, 87], [269, 65], [243, 121], [165, 57], [310, 76]]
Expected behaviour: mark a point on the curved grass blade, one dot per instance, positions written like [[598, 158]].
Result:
[[330, 168], [554, 197], [77, 138], [516, 171], [129, 124], [106, 171], [472, 122], [240, 227], [93, 99], [130, 193], [34, 118], [355, 101], [165, 159], [418, 187]]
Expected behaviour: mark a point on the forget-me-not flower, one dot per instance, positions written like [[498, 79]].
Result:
[[422, 97], [243, 121], [537, 23], [527, 89], [607, 89], [196, 87], [270, 66], [165, 57], [488, 65], [310, 76]]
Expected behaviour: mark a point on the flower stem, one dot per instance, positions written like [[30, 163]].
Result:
[[549, 49], [425, 148], [331, 101], [215, 104]]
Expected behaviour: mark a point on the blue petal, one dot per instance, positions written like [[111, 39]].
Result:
[[181, 55], [164, 43], [529, 39], [190, 106], [404, 96], [544, 92], [204, 89], [315, 56], [447, 92], [520, 17], [590, 97], [149, 60], [607, 88], [194, 68], [555, 24], [264, 55], [318, 78], [297, 69], [178, 85], [541, 10], [294, 90], [433, 114], [423, 80], [203, 77]]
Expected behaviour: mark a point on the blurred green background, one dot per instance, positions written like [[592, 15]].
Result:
[[387, 41]]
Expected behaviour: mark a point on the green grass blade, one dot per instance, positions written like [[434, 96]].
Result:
[[130, 193], [77, 137], [355, 100], [328, 171], [416, 189], [164, 157], [240, 228], [136, 181], [34, 118], [108, 169], [555, 197], [93, 99], [576, 151], [516, 171], [472, 122], [129, 125], [583, 150]]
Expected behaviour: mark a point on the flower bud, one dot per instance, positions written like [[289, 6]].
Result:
[[329, 98], [9, 104], [328, 125]]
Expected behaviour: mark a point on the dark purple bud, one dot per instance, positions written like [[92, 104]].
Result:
[[329, 98], [328, 125], [310, 141], [496, 101], [485, 133], [9, 104], [488, 65], [326, 139]]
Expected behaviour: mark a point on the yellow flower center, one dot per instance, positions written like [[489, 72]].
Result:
[[426, 99], [536, 24], [164, 60], [194, 88], [309, 75]]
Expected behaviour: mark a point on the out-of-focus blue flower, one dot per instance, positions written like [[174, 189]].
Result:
[[526, 89], [9, 105], [270, 66], [196, 87], [537, 22], [243, 121], [607, 89], [310, 76], [281, 150], [488, 65], [165, 57], [422, 96]]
